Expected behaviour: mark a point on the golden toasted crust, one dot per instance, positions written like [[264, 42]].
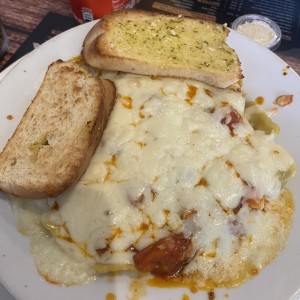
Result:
[[157, 44], [54, 142]]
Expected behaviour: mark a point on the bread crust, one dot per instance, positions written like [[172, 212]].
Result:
[[58, 134], [98, 53]]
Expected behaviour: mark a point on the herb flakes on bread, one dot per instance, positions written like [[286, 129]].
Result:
[[58, 134], [162, 45]]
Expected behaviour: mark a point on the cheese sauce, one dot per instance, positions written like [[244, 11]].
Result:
[[177, 157]]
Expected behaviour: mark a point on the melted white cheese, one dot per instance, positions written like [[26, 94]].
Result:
[[165, 152], [52, 262]]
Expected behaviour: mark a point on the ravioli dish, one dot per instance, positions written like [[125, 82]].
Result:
[[186, 184]]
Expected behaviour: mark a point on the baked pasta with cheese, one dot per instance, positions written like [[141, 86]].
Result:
[[181, 186]]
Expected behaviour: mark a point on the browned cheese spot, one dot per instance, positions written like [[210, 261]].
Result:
[[202, 182], [125, 100], [208, 92], [190, 94]]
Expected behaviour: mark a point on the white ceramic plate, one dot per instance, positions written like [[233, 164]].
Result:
[[263, 73]]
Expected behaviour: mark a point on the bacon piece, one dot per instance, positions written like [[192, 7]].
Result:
[[166, 257], [101, 251], [284, 100], [231, 119]]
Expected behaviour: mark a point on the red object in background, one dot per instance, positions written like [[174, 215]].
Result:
[[89, 10]]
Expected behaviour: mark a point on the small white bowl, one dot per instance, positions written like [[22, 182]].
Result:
[[258, 19]]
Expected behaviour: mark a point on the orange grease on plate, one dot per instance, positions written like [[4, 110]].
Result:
[[211, 295], [283, 100], [77, 58], [110, 296], [191, 93], [9, 117], [171, 283], [260, 100]]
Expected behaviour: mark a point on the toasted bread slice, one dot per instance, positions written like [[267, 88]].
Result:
[[156, 44], [57, 136]]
